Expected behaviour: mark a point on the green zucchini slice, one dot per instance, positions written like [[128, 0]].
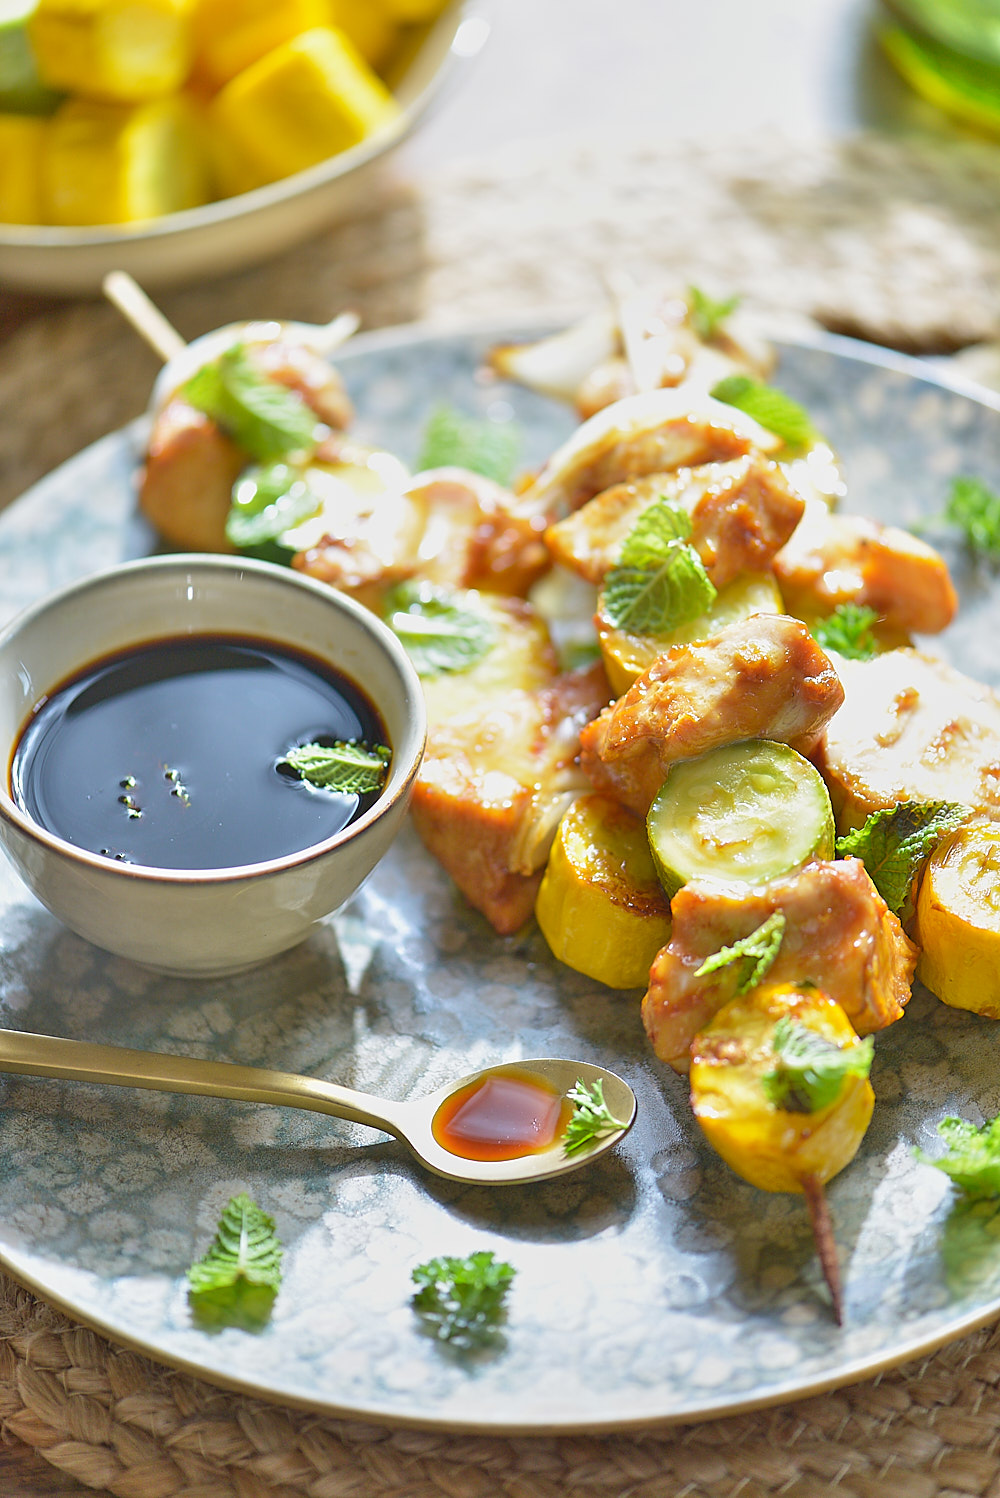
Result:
[[746, 813]]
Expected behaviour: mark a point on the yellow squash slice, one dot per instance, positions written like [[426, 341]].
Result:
[[600, 905], [775, 1147], [958, 920]]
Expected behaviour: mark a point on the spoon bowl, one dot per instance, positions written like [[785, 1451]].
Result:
[[410, 1121]]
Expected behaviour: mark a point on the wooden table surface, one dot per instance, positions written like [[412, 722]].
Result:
[[555, 69]]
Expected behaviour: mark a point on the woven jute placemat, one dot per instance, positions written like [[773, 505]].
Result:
[[892, 240]]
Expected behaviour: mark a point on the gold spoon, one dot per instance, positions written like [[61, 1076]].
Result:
[[79, 1061]]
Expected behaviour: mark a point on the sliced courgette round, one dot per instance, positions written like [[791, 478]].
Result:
[[746, 812]]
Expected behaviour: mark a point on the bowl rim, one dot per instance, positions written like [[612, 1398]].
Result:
[[401, 776], [458, 40]]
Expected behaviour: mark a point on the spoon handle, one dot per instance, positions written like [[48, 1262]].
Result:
[[80, 1061]]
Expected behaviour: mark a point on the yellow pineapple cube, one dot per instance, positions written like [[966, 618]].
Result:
[[230, 35], [119, 163], [369, 26], [414, 12], [121, 50], [21, 142], [306, 100]]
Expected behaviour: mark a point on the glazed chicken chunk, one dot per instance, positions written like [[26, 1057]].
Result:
[[840, 935], [741, 512], [448, 526], [654, 432], [834, 559], [494, 782], [763, 677], [911, 728]]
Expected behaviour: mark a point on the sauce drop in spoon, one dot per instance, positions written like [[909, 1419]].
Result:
[[420, 1123]]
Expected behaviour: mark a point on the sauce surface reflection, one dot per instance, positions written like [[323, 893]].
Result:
[[502, 1116]]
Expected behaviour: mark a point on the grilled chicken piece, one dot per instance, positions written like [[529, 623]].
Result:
[[834, 559], [655, 432], [741, 512], [185, 488], [187, 483], [840, 935], [309, 375], [763, 677], [472, 538], [494, 783], [911, 728], [450, 527]]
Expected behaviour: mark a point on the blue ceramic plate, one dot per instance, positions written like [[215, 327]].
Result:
[[654, 1286]]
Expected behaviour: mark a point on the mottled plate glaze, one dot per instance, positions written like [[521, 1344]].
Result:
[[654, 1287]]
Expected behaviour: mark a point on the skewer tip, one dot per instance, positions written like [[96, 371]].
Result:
[[826, 1246]]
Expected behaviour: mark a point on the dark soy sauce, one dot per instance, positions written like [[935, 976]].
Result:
[[502, 1116], [166, 755]]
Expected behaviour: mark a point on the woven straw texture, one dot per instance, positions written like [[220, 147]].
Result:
[[895, 241]]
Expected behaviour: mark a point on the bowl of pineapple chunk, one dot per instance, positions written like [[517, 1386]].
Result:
[[183, 138]]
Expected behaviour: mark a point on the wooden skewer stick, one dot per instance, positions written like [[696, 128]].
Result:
[[164, 339], [147, 319], [826, 1247], [623, 293], [332, 334]]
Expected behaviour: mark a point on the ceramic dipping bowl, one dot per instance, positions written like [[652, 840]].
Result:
[[203, 922]]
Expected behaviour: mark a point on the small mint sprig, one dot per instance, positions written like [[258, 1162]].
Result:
[[973, 509], [462, 1301], [973, 1158], [454, 440], [262, 416], [347, 767], [237, 1279], [659, 580], [707, 314], [442, 631], [752, 955], [894, 843], [848, 631], [770, 407], [592, 1119], [811, 1069]]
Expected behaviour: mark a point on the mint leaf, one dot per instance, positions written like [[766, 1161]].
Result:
[[261, 415], [453, 440], [811, 1069], [351, 769], [441, 631], [895, 842], [707, 314], [267, 501], [461, 1301], [237, 1279], [973, 508], [592, 1118], [754, 954], [659, 580], [973, 1158], [768, 406], [848, 630]]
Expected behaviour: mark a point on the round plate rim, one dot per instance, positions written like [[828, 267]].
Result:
[[529, 324]]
